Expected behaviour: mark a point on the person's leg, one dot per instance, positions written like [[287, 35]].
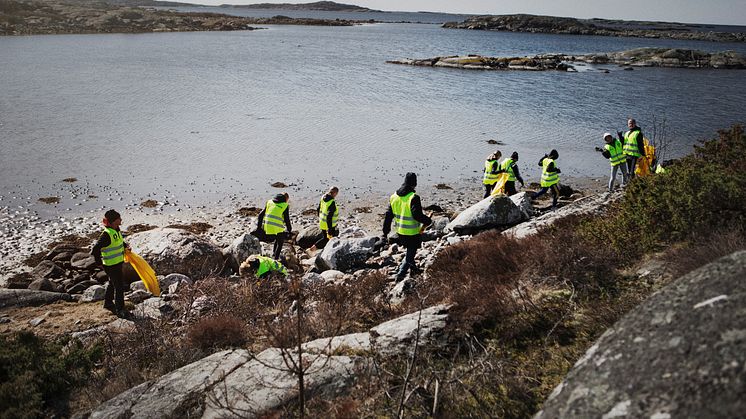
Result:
[[487, 190], [541, 192], [277, 249], [109, 295], [510, 187], [631, 163], [555, 195], [119, 286], [613, 177], [625, 175]]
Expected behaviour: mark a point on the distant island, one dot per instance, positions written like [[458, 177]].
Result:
[[599, 27], [37, 17], [326, 6]]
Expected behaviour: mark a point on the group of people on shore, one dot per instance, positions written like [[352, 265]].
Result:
[[622, 152], [404, 212]]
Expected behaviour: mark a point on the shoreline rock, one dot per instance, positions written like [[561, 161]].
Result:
[[639, 57]]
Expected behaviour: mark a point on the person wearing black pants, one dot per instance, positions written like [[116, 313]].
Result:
[[405, 211], [273, 223], [109, 253]]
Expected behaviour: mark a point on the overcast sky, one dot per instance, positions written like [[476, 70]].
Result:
[[729, 12]]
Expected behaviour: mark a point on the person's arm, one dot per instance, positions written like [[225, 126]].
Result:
[[330, 217], [552, 168], [387, 221], [286, 216], [517, 173], [641, 143], [103, 241], [260, 218], [541, 160], [417, 213]]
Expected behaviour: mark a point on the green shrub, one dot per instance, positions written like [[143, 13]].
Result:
[[700, 195], [37, 376]]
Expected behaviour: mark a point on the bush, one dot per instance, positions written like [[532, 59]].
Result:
[[224, 331], [699, 195], [37, 376]]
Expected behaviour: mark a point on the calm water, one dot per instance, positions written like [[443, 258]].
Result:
[[196, 116]]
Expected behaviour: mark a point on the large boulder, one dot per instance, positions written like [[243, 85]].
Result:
[[43, 284], [491, 212], [170, 250], [346, 254], [83, 260], [236, 383], [242, 247], [47, 269], [682, 353], [309, 236], [93, 293], [26, 298]]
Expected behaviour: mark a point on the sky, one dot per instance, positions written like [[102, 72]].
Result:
[[726, 12]]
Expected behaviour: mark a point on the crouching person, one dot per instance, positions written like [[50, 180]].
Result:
[[261, 266]]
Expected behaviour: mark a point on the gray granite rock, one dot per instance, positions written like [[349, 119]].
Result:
[[83, 260], [26, 298], [346, 254], [398, 335], [170, 250], [93, 293], [241, 248], [44, 284], [308, 236], [681, 353], [47, 269], [491, 212]]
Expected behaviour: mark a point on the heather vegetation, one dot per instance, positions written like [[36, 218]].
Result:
[[523, 310]]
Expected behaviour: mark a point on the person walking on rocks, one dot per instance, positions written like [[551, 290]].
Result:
[[614, 152], [262, 266], [634, 145], [491, 172], [549, 177], [109, 253], [510, 166], [405, 210], [274, 222], [328, 215]]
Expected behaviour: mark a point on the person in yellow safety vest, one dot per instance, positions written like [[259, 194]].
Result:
[[405, 210], [274, 222], [549, 177], [491, 172], [633, 144], [614, 152], [510, 166], [328, 215], [263, 266], [109, 253]]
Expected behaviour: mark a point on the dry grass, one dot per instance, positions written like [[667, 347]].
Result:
[[217, 332]]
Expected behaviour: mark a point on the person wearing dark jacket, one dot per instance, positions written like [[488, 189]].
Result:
[[274, 222], [613, 151], [491, 172], [109, 253], [328, 215], [634, 145], [405, 210], [510, 166], [549, 177]]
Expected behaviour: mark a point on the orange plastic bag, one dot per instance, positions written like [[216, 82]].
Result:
[[499, 188], [144, 271]]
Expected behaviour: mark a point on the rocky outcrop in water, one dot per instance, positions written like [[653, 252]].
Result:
[[640, 57], [598, 27], [682, 353]]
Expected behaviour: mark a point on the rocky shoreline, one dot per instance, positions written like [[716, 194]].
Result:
[[597, 27], [42, 17], [639, 57]]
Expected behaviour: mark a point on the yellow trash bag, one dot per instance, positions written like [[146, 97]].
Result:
[[643, 163], [499, 188], [144, 271]]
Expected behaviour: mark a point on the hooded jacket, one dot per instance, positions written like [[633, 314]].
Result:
[[410, 182], [279, 198]]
